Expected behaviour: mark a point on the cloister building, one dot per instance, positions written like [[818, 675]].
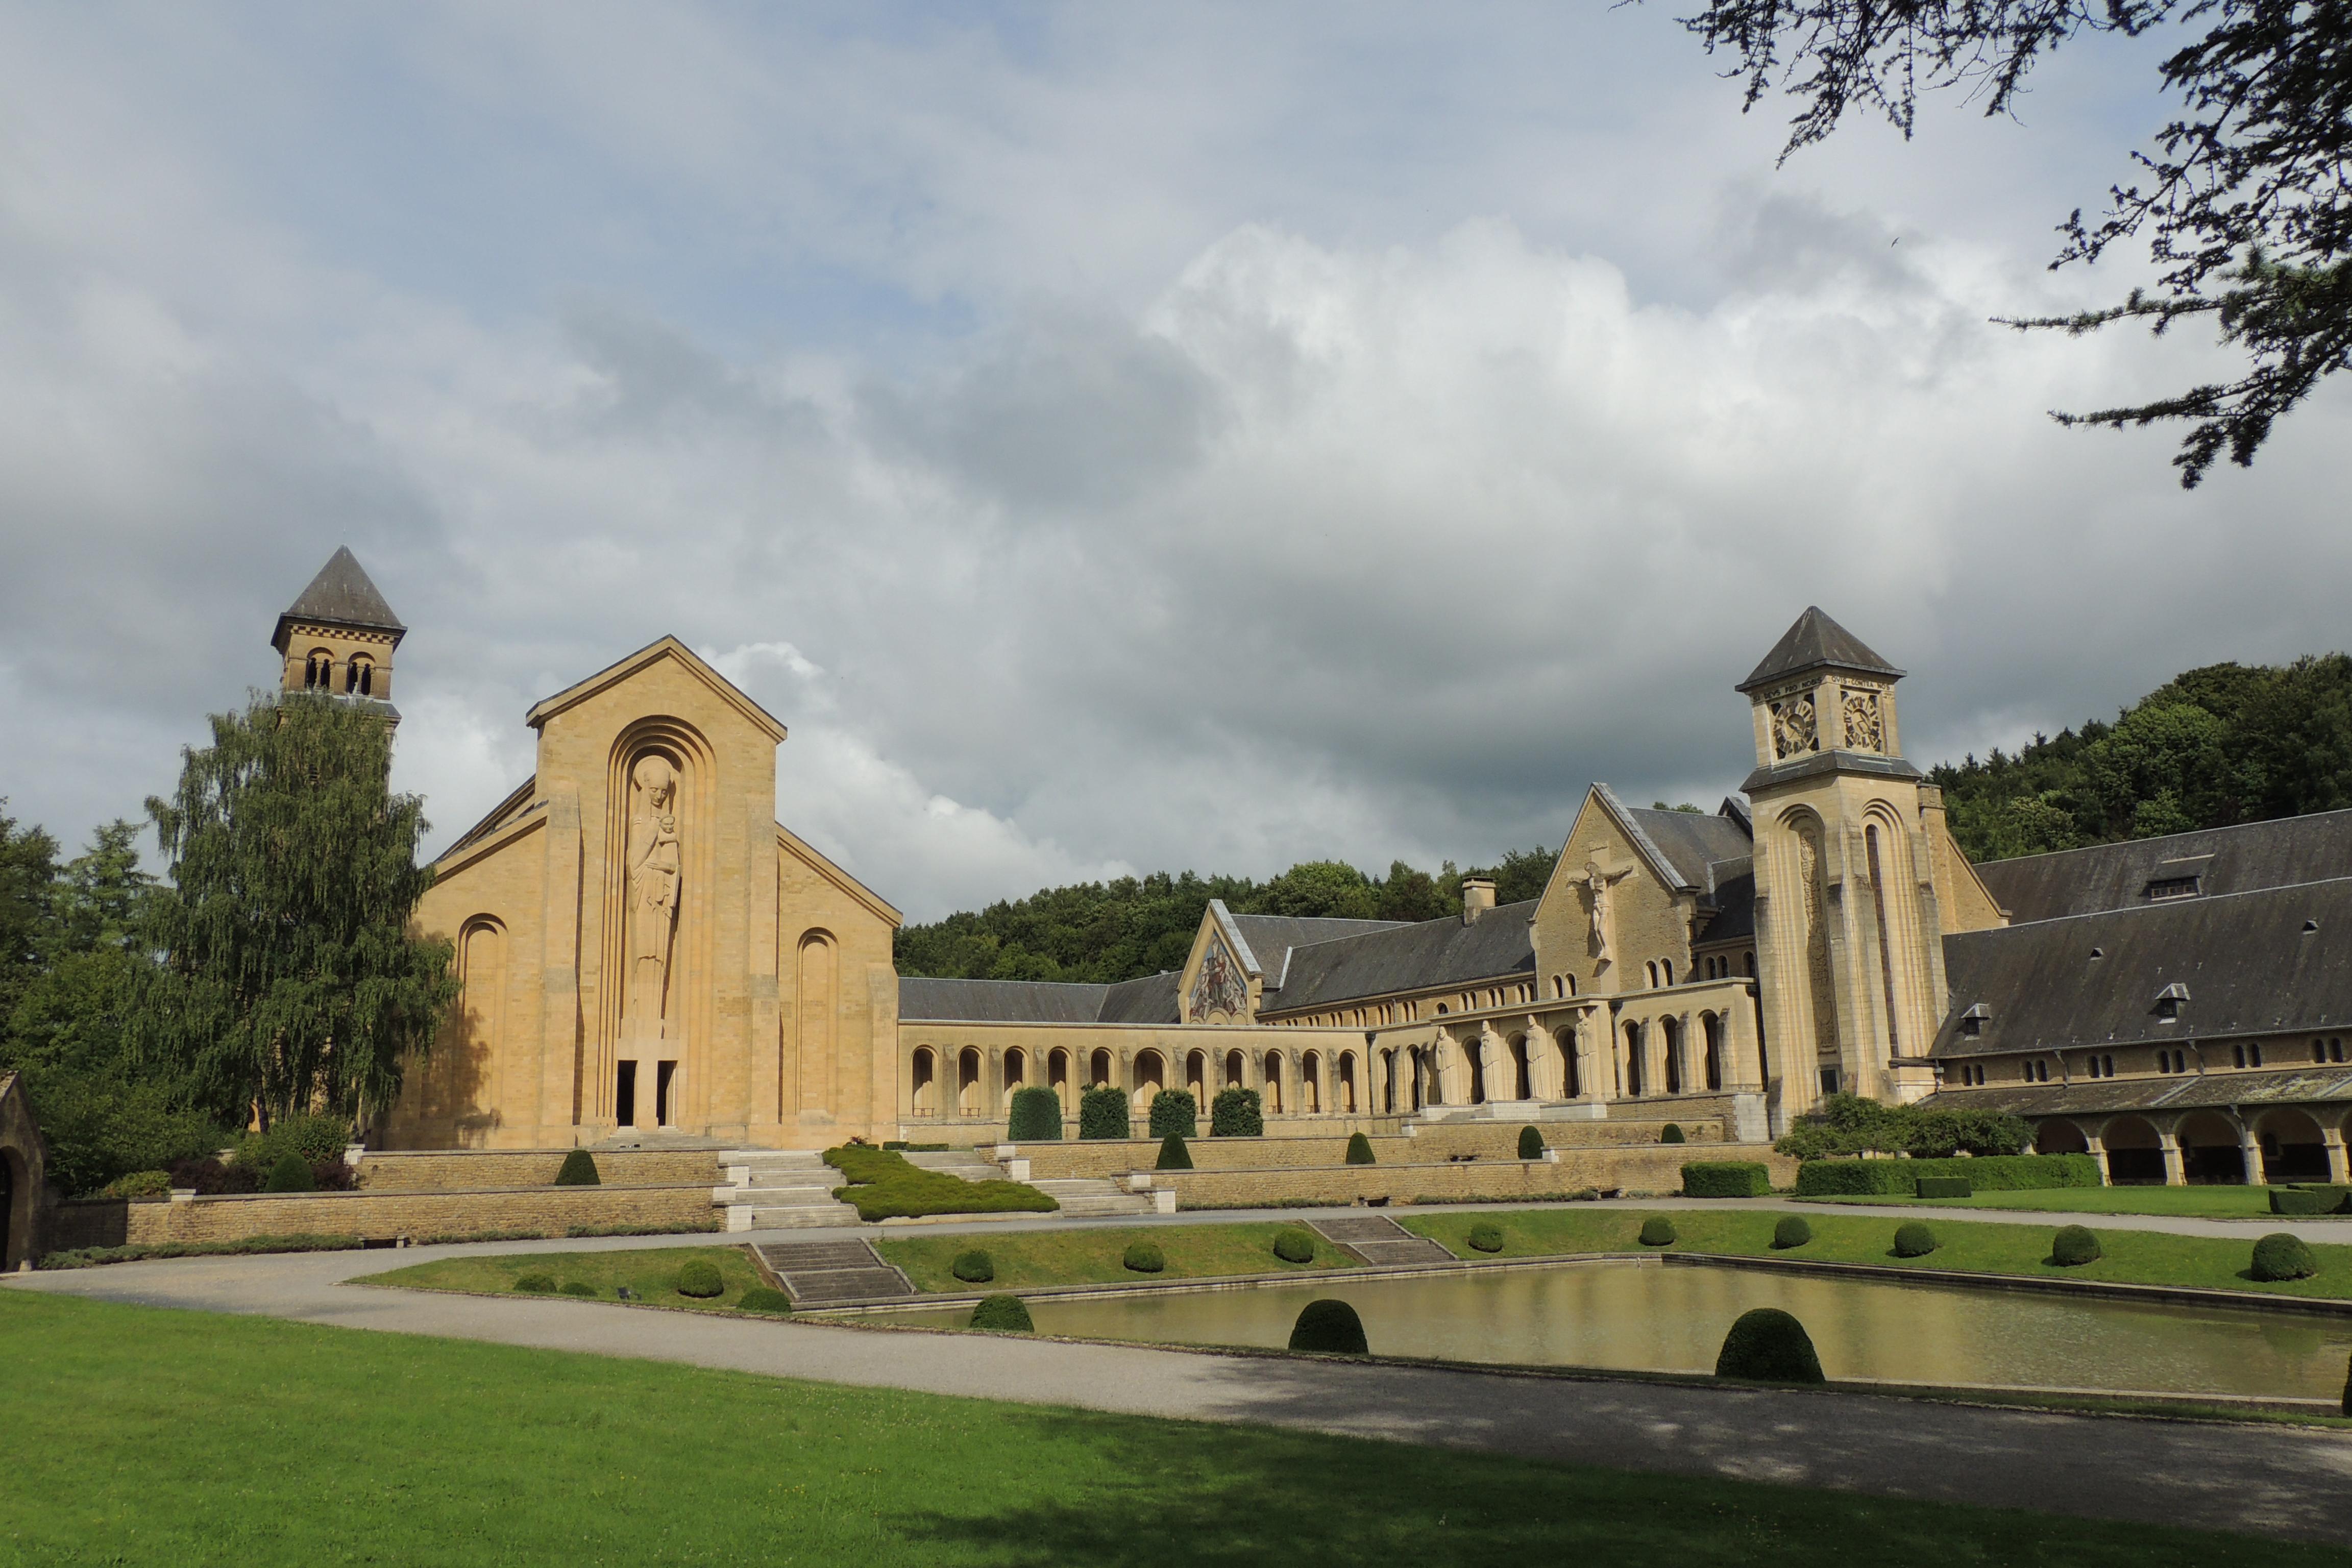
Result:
[[644, 949]]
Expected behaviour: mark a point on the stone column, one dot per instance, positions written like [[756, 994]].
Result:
[[2099, 1153], [2333, 1137], [2250, 1151], [2174, 1175]]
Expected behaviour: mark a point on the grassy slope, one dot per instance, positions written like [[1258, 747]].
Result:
[[651, 1275], [1034, 1257], [2201, 1203], [2133, 1256], [147, 1436]]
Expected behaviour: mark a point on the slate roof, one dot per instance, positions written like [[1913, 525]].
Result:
[[2278, 960], [1734, 896], [1816, 641], [2291, 850], [1150, 1000], [341, 594], [2094, 1097], [1687, 841], [1498, 946], [1272, 937]]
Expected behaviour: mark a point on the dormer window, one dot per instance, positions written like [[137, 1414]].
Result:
[[2162, 887], [2168, 1001], [1972, 1021]]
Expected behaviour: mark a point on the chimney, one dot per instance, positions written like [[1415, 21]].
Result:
[[1477, 897]]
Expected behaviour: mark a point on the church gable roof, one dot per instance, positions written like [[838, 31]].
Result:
[[2221, 860], [667, 648], [1816, 642], [340, 594], [1497, 945]]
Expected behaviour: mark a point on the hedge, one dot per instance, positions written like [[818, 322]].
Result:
[[1173, 1155], [973, 1268], [1294, 1246], [1658, 1231], [1485, 1237], [1004, 1314], [1360, 1150], [2073, 1246], [1531, 1143], [1175, 1114], [1727, 1179], [1037, 1117], [1767, 1345], [1103, 1113], [2310, 1198], [1329, 1328], [1947, 1187], [1236, 1113], [1793, 1230], [1983, 1173], [579, 1169], [699, 1278], [760, 1298], [2282, 1256], [883, 1185], [139, 1252], [1142, 1257]]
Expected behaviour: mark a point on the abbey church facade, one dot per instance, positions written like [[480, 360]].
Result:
[[644, 949]]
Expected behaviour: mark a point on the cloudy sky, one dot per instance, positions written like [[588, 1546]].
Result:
[[1111, 438]]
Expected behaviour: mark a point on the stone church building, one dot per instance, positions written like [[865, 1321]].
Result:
[[644, 949]]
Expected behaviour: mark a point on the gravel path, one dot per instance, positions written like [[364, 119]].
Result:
[[2256, 1478]]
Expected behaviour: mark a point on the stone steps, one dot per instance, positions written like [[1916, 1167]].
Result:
[[832, 1273], [780, 1189], [1094, 1197], [960, 1163], [1377, 1240]]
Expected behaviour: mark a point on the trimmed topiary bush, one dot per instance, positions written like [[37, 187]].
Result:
[[2280, 1255], [1913, 1240], [1658, 1231], [536, 1284], [579, 1287], [760, 1298], [1794, 1230], [1329, 1328], [1236, 1113], [973, 1268], [1531, 1143], [2307, 1200], [1945, 1187], [1004, 1315], [1036, 1116], [1144, 1258], [1103, 1113], [1673, 1133], [1485, 1237], [1173, 1155], [1360, 1150], [1294, 1246], [1727, 1179], [1768, 1345], [1175, 1114], [578, 1169], [291, 1174], [2073, 1246], [699, 1278]]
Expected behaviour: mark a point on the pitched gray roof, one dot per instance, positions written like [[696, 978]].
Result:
[[1689, 841], [2241, 859], [1733, 894], [2092, 1097], [2274, 961], [1150, 1000], [1270, 937], [1497, 946], [341, 594], [1815, 641]]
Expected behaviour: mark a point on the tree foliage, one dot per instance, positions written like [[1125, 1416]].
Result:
[[289, 980], [2214, 746], [2243, 201], [1850, 1124]]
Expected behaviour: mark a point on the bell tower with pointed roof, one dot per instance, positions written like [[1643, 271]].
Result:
[[338, 636], [1850, 937]]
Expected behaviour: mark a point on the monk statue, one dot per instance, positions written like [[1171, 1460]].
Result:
[[654, 870]]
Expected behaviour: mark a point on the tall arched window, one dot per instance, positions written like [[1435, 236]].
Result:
[[361, 681], [318, 671]]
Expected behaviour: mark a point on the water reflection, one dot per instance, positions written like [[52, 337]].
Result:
[[1673, 1319]]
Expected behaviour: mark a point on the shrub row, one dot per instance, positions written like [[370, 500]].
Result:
[[91, 1257], [1984, 1173], [882, 1185], [2310, 1198], [1727, 1179]]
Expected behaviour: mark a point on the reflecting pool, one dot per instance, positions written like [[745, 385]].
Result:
[[1672, 1319]]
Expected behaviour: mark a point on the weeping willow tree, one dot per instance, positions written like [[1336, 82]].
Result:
[[289, 981]]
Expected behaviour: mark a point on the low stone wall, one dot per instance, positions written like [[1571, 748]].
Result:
[[474, 1171], [1500, 1139], [1653, 1169], [147, 1222], [1436, 1142]]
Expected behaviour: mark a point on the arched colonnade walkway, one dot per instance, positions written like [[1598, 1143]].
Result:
[[2209, 1145]]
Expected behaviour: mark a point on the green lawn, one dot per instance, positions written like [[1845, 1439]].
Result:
[[2133, 1256], [650, 1275], [2201, 1203], [139, 1435], [1034, 1257]]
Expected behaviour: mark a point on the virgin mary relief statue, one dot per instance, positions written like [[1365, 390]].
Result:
[[653, 896]]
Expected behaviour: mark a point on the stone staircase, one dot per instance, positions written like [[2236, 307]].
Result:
[[832, 1273], [1377, 1240], [780, 1189], [962, 1164], [1094, 1197]]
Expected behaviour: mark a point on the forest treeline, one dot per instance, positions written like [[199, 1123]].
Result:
[[2221, 744]]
